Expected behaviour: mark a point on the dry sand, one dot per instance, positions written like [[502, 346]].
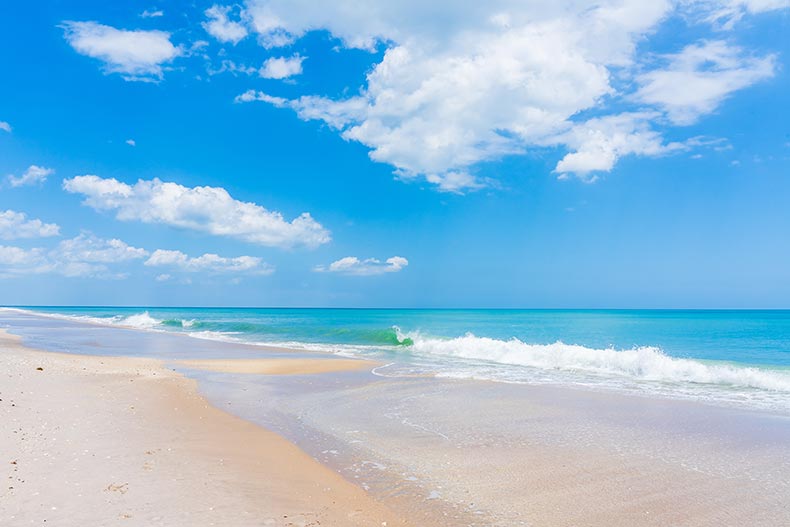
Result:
[[94, 441]]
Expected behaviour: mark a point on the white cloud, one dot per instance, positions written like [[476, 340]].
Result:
[[726, 13], [700, 77], [234, 68], [89, 248], [209, 263], [131, 142], [221, 27], [5, 126], [82, 256], [281, 67], [206, 209], [352, 265], [464, 83], [137, 55], [15, 257], [598, 143], [152, 13], [87, 255], [33, 175], [16, 225], [252, 95]]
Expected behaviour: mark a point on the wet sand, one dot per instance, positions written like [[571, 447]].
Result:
[[279, 366], [104, 441]]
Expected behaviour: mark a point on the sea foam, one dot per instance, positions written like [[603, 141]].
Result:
[[640, 363]]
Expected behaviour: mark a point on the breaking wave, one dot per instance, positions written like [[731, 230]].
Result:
[[640, 363]]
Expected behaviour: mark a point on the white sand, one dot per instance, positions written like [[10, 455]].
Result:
[[90, 441]]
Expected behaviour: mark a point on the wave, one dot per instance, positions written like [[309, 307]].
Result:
[[142, 320], [640, 363]]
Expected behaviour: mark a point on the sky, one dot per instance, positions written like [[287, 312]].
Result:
[[564, 154]]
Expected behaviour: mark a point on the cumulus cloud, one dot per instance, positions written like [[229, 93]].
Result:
[[281, 67], [5, 126], [490, 79], [82, 256], [351, 265], [598, 143], [32, 176], [131, 142], [212, 263], [485, 81], [220, 26], [700, 77], [16, 225], [205, 209], [138, 55]]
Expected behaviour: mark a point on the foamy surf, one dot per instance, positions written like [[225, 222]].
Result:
[[641, 363]]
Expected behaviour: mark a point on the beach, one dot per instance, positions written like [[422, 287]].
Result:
[[215, 433], [108, 440]]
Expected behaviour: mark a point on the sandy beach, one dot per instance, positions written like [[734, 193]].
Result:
[[107, 440], [291, 438]]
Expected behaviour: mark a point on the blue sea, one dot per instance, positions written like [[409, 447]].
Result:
[[739, 358]]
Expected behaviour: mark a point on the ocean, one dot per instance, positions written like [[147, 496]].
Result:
[[728, 357]]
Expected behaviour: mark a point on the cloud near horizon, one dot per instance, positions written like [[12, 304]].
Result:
[[204, 209], [83, 256], [16, 225], [209, 262], [87, 255], [351, 265]]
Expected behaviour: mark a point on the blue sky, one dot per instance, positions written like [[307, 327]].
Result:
[[282, 153]]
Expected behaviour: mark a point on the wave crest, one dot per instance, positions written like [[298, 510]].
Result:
[[641, 363]]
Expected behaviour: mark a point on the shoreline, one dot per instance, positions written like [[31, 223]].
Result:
[[101, 440], [426, 451]]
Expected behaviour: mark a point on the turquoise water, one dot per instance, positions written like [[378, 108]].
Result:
[[730, 357]]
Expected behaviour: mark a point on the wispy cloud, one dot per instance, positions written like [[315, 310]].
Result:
[[152, 13], [5, 126], [209, 262], [700, 77], [32, 176]]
